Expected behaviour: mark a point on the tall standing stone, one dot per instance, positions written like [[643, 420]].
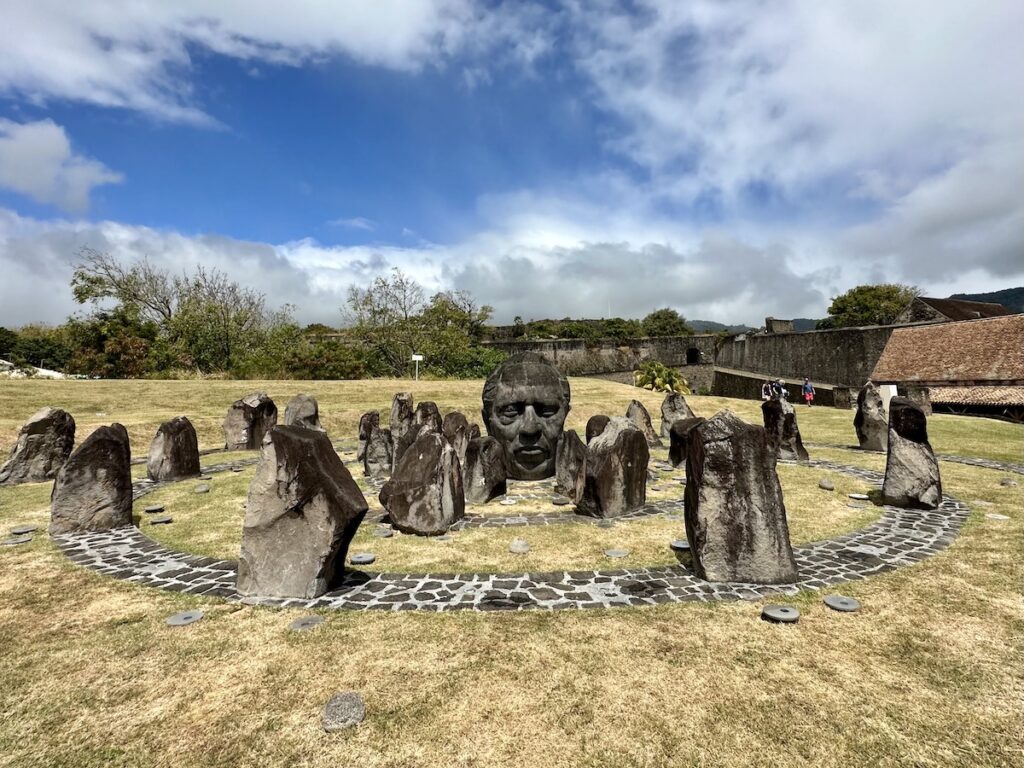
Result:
[[174, 452], [571, 465], [485, 473], [870, 421], [616, 471], [911, 469], [44, 444], [735, 516], [378, 453], [679, 439], [247, 421], [403, 430], [425, 495], [302, 511], [427, 415], [367, 422], [783, 431], [595, 426], [303, 411], [673, 408], [637, 413], [456, 430], [93, 490]]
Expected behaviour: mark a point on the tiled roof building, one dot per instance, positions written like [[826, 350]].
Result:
[[928, 310]]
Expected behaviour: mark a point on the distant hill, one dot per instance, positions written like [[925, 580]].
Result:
[[1011, 298], [710, 326], [804, 324]]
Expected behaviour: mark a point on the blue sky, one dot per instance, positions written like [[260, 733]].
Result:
[[731, 160]]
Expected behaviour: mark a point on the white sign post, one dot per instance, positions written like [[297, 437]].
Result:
[[416, 359]]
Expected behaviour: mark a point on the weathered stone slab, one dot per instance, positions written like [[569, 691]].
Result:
[[870, 421], [734, 512], [427, 415], [425, 495], [93, 490], [174, 452], [673, 408], [378, 454], [302, 511], [911, 469], [637, 413], [783, 432], [44, 444], [247, 421], [400, 420], [595, 426], [485, 472], [303, 411], [679, 439], [571, 465], [367, 422], [616, 471], [456, 430]]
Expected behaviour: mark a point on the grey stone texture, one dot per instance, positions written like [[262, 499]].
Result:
[[456, 430], [301, 513], [174, 452], [367, 422], [400, 420], [525, 403], [43, 445], [638, 414], [427, 414], [378, 453], [485, 472], [734, 513], [343, 711], [616, 471], [595, 426], [870, 421], [673, 408], [571, 465], [425, 495], [303, 411], [93, 490], [679, 439], [247, 421], [783, 431], [911, 470]]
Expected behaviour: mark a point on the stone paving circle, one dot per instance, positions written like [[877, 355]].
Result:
[[842, 603], [153, 509], [680, 545], [344, 710], [780, 614], [306, 623], [16, 541], [362, 558], [21, 530], [184, 618]]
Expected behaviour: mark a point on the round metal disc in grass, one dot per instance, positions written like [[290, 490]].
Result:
[[21, 530], [383, 533], [842, 603], [153, 509], [161, 520], [306, 623], [202, 489], [16, 541], [184, 618], [509, 502], [560, 501], [859, 496], [362, 558], [780, 614], [616, 553], [680, 545]]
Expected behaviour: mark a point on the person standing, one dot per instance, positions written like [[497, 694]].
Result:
[[808, 389]]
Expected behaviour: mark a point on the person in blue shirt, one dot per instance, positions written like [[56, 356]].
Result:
[[808, 390]]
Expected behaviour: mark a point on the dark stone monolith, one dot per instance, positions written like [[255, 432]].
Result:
[[378, 453], [174, 452], [783, 432], [595, 426], [303, 411], [616, 471], [870, 421], [247, 421], [637, 413], [911, 469], [679, 439], [456, 430], [44, 444], [571, 465], [485, 472], [424, 495], [367, 422], [400, 420], [93, 490], [427, 415], [673, 408]]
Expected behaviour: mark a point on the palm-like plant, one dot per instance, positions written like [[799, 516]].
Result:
[[660, 378]]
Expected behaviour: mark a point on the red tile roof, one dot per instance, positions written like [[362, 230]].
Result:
[[961, 309], [984, 395]]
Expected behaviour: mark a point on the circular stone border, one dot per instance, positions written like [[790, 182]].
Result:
[[900, 537]]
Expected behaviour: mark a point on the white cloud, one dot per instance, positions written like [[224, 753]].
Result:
[[36, 160], [357, 222]]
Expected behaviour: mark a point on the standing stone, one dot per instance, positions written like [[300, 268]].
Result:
[[367, 423], [44, 444], [783, 431], [455, 428], [403, 431], [427, 415], [93, 490], [595, 426], [248, 420], [174, 452], [679, 439], [616, 471], [378, 454], [571, 465], [485, 472], [870, 421], [673, 408], [424, 495], [642, 420], [302, 511], [303, 411], [735, 515], [921, 397], [911, 470]]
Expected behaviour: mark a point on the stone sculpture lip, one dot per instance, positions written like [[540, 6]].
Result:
[[531, 456]]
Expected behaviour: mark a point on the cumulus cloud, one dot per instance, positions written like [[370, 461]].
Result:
[[36, 160]]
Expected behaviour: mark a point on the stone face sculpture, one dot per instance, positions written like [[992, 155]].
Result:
[[247, 421], [673, 408], [911, 469], [424, 495], [485, 472], [302, 511], [93, 490], [367, 422], [679, 439], [378, 453], [637, 413], [783, 431], [44, 444], [616, 471], [303, 411], [735, 516], [595, 426], [174, 452], [525, 403], [870, 421], [571, 465]]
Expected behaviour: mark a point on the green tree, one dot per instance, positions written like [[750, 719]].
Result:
[[869, 305], [8, 341], [41, 346], [665, 322]]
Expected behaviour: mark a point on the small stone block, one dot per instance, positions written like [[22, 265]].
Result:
[[184, 618], [518, 547], [859, 496], [344, 710], [561, 501], [780, 614], [383, 533], [16, 541], [306, 623], [826, 484], [153, 509], [841, 603], [161, 520], [615, 554], [680, 545], [21, 530], [362, 558], [202, 489]]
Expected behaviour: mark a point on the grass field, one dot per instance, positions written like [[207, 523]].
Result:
[[930, 672]]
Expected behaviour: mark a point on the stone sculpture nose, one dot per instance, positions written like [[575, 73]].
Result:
[[530, 424]]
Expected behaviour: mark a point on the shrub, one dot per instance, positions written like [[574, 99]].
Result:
[[660, 378]]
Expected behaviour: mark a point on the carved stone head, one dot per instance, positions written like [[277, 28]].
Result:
[[525, 403]]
